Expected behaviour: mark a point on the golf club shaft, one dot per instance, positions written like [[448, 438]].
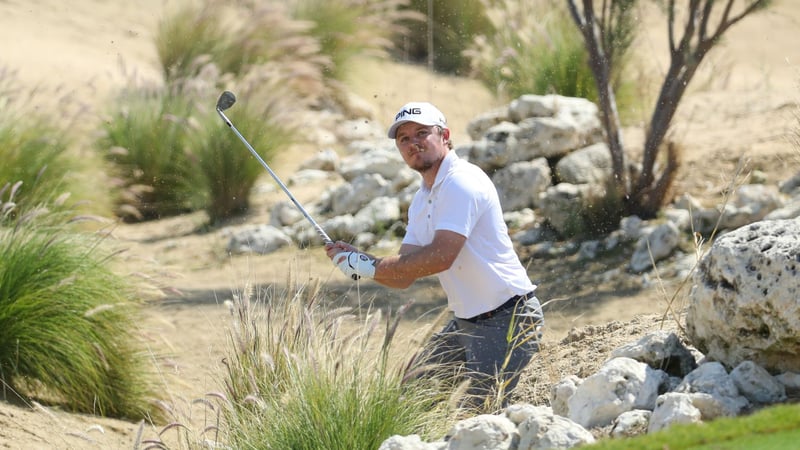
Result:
[[305, 213]]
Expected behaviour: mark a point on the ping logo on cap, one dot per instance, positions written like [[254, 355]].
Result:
[[420, 112], [406, 112]]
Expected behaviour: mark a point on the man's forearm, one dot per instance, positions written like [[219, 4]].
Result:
[[393, 271], [400, 271]]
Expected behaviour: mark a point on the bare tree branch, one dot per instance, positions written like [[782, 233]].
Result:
[[647, 193], [601, 69], [685, 60]]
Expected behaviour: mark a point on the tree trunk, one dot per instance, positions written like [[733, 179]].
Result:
[[645, 196], [601, 69]]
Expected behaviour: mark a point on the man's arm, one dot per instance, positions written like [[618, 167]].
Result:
[[413, 262]]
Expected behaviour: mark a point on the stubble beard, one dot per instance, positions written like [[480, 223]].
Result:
[[425, 165]]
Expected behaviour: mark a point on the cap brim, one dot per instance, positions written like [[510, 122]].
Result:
[[393, 129]]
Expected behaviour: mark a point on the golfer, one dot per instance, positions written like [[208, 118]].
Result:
[[456, 232]]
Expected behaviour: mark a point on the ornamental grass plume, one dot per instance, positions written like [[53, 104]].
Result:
[[67, 321], [305, 376]]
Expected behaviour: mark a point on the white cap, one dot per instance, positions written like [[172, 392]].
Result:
[[422, 113]]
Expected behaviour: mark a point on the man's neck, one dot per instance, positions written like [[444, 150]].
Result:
[[429, 178], [429, 175]]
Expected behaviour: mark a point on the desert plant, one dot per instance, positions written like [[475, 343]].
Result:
[[227, 169], [34, 149], [173, 154], [550, 61], [145, 140], [703, 27], [33, 153], [269, 40], [348, 28], [67, 322], [439, 33], [237, 38], [193, 34], [536, 50], [300, 376]]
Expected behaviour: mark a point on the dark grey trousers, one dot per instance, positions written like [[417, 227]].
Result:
[[491, 351]]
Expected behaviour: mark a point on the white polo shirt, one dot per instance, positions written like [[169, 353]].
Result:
[[487, 271]]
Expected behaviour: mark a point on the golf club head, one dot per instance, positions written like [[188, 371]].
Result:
[[226, 100]]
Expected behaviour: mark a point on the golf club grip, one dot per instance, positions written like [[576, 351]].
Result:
[[305, 213]]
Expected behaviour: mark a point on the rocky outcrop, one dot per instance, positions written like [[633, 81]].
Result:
[[627, 395], [745, 304]]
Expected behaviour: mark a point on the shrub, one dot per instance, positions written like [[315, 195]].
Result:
[[535, 50], [455, 24], [227, 168], [191, 35], [67, 322], [34, 150], [237, 39], [303, 377], [145, 140], [348, 28], [172, 154], [538, 50]]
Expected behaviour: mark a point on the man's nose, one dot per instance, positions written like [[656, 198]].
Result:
[[418, 140]]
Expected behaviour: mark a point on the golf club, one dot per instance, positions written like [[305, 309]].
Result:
[[226, 100]]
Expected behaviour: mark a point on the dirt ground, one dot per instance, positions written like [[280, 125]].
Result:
[[743, 113]]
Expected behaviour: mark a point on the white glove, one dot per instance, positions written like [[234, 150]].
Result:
[[355, 265]]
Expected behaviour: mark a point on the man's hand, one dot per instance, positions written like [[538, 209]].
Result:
[[355, 265]]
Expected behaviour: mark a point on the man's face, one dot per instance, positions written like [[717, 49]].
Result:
[[422, 146]]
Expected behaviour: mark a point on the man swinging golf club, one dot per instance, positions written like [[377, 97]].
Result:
[[456, 231]]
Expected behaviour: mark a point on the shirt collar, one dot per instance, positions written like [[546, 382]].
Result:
[[444, 167]]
